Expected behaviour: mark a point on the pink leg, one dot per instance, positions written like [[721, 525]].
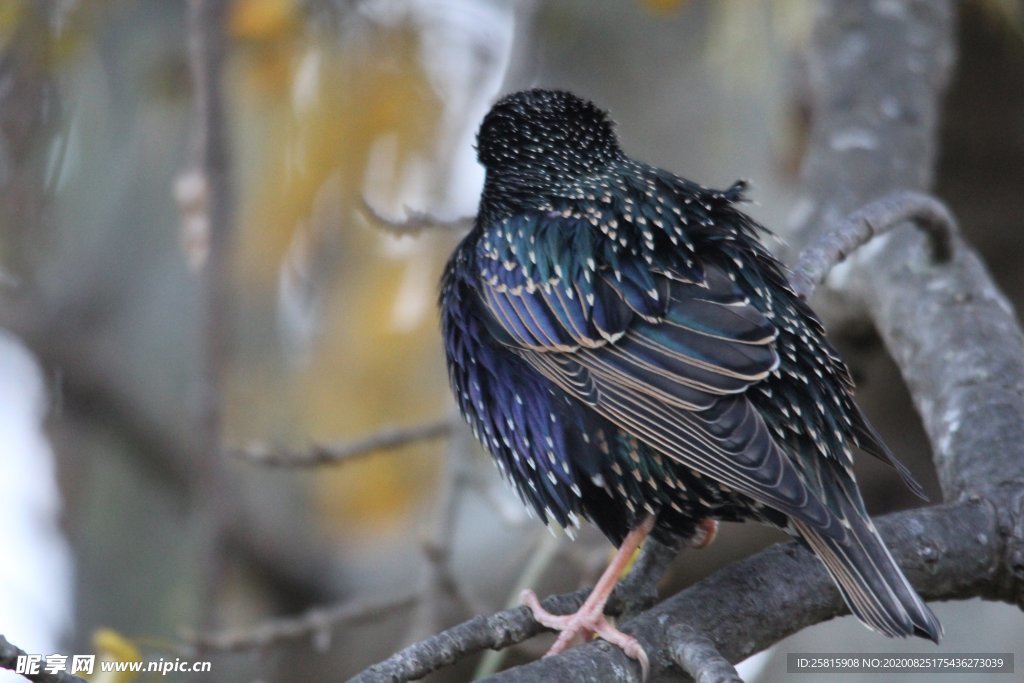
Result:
[[708, 529], [590, 619]]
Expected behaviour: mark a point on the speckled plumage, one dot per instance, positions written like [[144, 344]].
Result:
[[623, 345]]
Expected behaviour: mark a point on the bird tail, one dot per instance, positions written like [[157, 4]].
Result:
[[871, 582]]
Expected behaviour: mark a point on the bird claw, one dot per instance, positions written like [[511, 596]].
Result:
[[588, 621], [707, 529]]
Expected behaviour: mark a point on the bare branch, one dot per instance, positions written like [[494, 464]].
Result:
[[414, 221], [948, 552], [696, 655], [9, 659], [952, 333], [960, 350], [337, 452], [876, 219], [495, 631], [315, 624]]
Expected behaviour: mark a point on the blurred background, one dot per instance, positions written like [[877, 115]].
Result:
[[342, 116]]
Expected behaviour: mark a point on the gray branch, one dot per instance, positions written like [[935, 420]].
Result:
[[696, 655], [315, 624], [414, 221], [494, 632], [9, 660], [948, 552], [333, 453], [639, 590], [874, 220]]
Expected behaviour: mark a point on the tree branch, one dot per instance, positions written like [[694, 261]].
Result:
[[9, 659], [950, 330], [874, 220], [414, 221], [696, 655], [315, 624], [495, 631], [948, 552], [337, 452], [639, 589]]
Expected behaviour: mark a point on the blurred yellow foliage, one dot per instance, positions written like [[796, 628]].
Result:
[[29, 22], [111, 646], [311, 112], [266, 20], [10, 15]]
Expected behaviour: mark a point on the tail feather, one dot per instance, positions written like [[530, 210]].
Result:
[[870, 581]]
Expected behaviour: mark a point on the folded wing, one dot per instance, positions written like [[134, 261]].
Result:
[[664, 358]]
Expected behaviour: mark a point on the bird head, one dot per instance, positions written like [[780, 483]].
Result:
[[546, 139]]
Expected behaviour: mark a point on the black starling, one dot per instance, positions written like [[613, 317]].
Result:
[[628, 351]]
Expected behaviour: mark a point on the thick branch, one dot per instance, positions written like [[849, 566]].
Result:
[[948, 552], [960, 349], [696, 655], [950, 330]]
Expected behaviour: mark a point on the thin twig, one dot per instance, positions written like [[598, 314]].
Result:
[[858, 228], [316, 624], [9, 654], [337, 452], [697, 655], [414, 221]]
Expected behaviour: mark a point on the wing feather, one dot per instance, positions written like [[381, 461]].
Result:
[[728, 442], [665, 359]]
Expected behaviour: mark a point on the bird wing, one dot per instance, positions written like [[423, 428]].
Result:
[[663, 358]]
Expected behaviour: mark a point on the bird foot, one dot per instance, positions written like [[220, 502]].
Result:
[[707, 529], [588, 621]]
